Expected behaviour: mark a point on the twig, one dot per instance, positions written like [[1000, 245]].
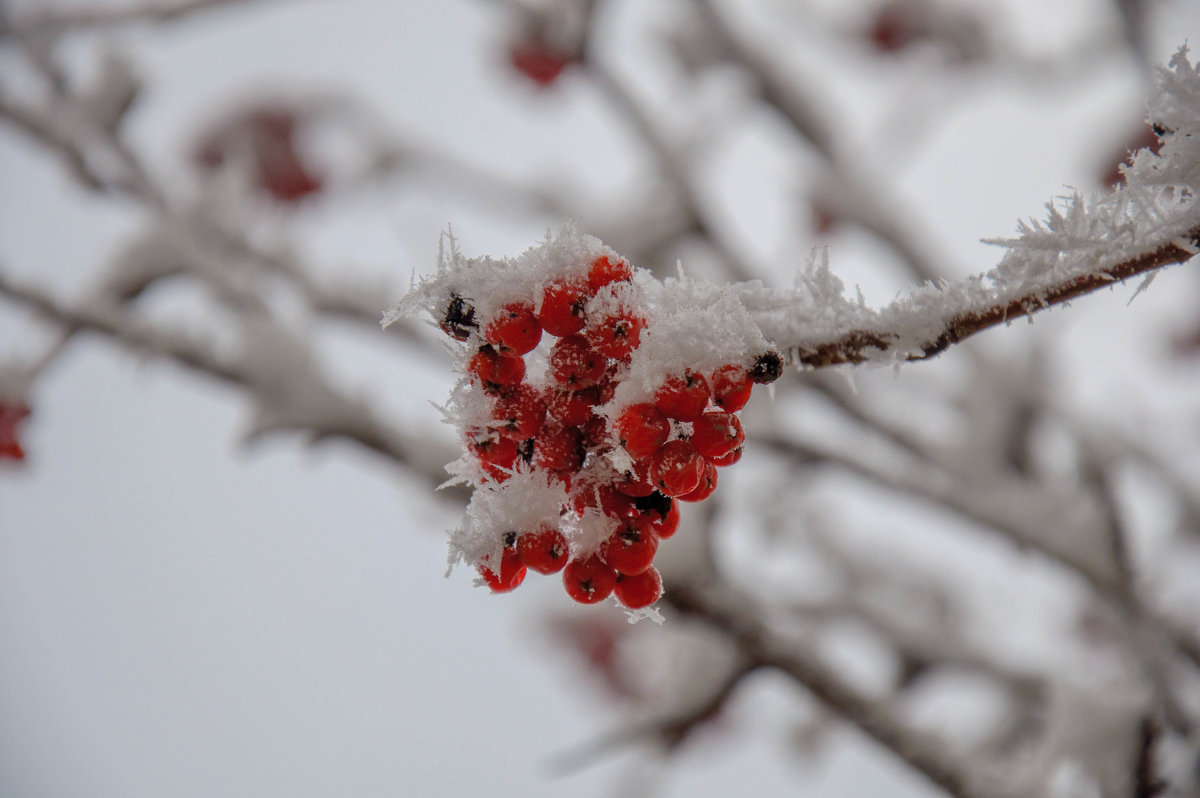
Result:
[[860, 345], [741, 623], [350, 418]]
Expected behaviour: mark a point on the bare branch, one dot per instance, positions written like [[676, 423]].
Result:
[[56, 21], [740, 621]]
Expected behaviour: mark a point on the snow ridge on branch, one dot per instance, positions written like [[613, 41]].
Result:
[[1082, 245]]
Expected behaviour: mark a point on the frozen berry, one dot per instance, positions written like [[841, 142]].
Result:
[[728, 459], [631, 548], [575, 364], [668, 523], [520, 414], [730, 388], [607, 270], [768, 367], [561, 312], [459, 319], [595, 435], [642, 430], [615, 334], [589, 580], [511, 575], [497, 454], [706, 486], [545, 551], [573, 408], [640, 590], [633, 482], [716, 434], [495, 372], [676, 468], [515, 330], [682, 398], [558, 448]]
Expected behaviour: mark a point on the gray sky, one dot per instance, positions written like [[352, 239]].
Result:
[[180, 616]]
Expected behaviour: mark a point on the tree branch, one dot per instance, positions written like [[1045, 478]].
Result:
[[860, 345]]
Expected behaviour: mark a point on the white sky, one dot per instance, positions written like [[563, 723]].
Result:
[[182, 617]]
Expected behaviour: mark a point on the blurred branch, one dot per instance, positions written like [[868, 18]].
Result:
[[340, 416], [57, 21], [740, 621]]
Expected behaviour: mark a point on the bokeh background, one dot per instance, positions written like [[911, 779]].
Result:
[[183, 613]]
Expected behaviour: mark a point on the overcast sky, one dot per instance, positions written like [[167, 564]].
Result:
[[182, 616]]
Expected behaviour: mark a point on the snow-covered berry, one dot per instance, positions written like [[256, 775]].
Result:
[[519, 415], [730, 387], [639, 590], [631, 547], [676, 468], [615, 334], [642, 429], [683, 397], [607, 270], [589, 580], [706, 486], [515, 330], [562, 310], [574, 364], [716, 434], [508, 576], [558, 447], [544, 551], [496, 373]]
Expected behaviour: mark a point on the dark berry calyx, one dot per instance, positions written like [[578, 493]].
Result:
[[767, 368], [459, 319]]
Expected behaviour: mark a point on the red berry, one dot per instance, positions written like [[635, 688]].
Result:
[[496, 373], [520, 414], [538, 62], [497, 454], [676, 468], [589, 580], [668, 524], [639, 590], [716, 434], [708, 483], [575, 364], [512, 572], [642, 430], [11, 414], [515, 330], [683, 398], [545, 551], [731, 388], [728, 459], [561, 312], [616, 334], [573, 408], [558, 448], [631, 548], [633, 482], [595, 435], [606, 270], [614, 503]]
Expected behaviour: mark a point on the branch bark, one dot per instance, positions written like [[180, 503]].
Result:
[[860, 345]]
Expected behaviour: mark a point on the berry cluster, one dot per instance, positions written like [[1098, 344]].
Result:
[[620, 459]]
